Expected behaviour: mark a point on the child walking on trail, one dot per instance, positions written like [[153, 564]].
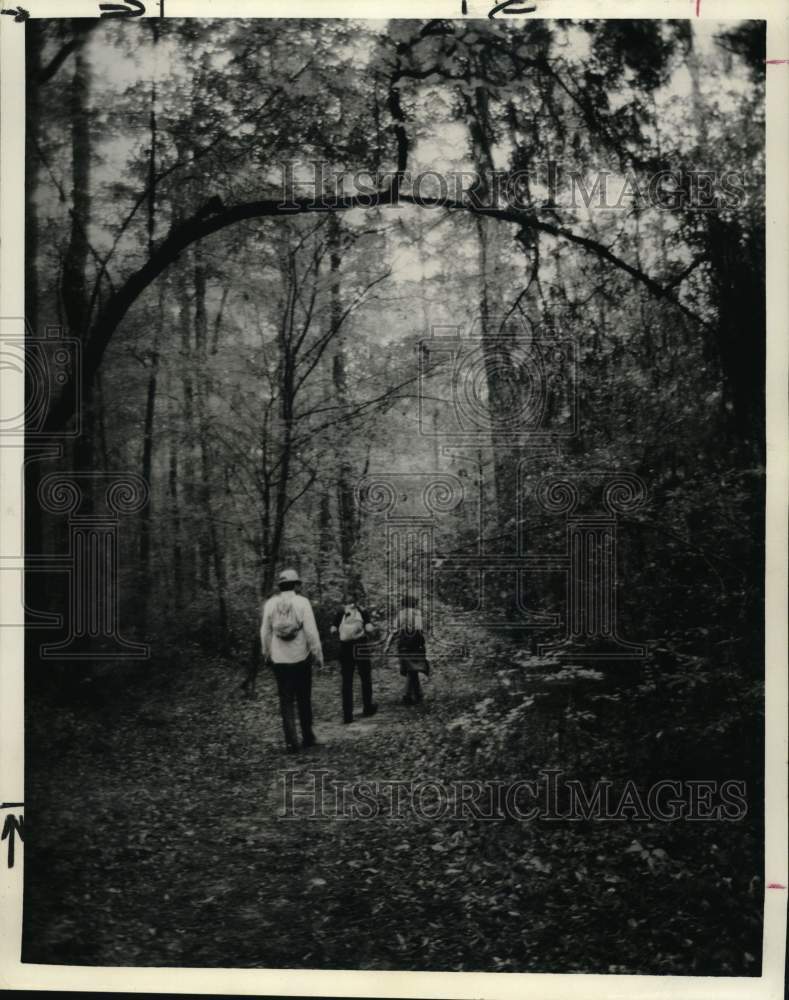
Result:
[[408, 631]]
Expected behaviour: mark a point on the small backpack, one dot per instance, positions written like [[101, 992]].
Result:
[[284, 622], [411, 643], [352, 625], [410, 638]]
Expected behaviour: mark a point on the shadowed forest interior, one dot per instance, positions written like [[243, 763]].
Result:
[[413, 307]]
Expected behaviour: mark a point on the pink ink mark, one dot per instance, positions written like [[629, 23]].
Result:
[[776, 62], [776, 885], [698, 8]]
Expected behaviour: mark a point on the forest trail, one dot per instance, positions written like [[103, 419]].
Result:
[[160, 827], [514, 407], [366, 738], [179, 826], [329, 727]]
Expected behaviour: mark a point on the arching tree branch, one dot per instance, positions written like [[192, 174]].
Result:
[[214, 216]]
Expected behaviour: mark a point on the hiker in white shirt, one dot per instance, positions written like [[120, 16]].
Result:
[[289, 639]]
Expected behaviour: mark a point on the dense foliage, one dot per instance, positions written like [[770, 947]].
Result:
[[255, 357]]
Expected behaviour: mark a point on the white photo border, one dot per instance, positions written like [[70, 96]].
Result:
[[16, 975]]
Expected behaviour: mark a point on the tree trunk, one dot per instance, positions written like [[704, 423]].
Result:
[[150, 400], [74, 276], [211, 548], [346, 505], [323, 558], [281, 491], [427, 327], [500, 375], [283, 433], [500, 381], [147, 466], [175, 511], [187, 432], [696, 71]]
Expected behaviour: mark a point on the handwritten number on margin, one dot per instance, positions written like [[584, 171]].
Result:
[[131, 8], [506, 7]]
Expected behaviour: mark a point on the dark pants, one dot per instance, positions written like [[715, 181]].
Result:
[[413, 689], [294, 685], [349, 664]]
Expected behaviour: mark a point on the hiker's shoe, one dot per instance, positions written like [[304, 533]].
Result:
[[371, 710], [310, 743], [291, 749], [347, 722], [407, 699]]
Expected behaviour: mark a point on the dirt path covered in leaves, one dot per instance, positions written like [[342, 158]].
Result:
[[155, 839]]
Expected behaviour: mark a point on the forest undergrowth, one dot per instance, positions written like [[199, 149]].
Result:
[[158, 832]]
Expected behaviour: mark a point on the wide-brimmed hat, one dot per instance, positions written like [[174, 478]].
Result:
[[289, 576]]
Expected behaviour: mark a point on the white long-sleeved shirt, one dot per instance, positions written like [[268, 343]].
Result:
[[306, 639]]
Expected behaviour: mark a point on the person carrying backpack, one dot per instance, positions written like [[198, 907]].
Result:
[[411, 650], [289, 639], [353, 627]]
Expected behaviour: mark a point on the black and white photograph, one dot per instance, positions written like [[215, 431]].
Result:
[[394, 460]]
